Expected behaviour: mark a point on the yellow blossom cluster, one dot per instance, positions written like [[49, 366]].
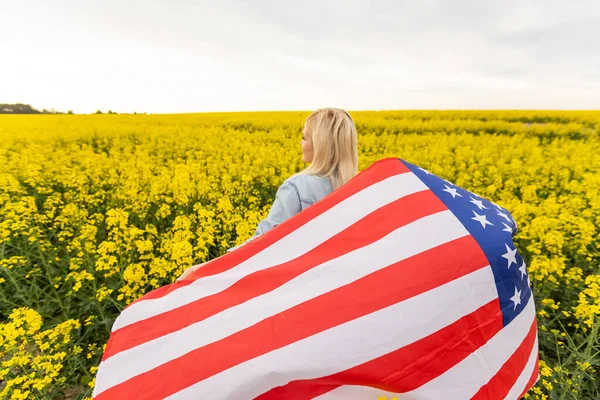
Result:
[[32, 360], [98, 210]]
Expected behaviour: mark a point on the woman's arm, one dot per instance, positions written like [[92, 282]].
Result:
[[191, 269], [285, 205]]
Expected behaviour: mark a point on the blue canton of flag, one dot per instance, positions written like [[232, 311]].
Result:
[[493, 227]]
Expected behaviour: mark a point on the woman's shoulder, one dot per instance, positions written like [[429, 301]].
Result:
[[305, 179], [310, 188]]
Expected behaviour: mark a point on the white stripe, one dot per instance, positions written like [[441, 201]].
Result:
[[467, 377], [464, 379], [520, 384], [291, 246], [431, 231], [352, 343]]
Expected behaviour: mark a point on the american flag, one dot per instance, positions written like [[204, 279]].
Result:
[[398, 284]]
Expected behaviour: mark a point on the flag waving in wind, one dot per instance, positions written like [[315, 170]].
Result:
[[398, 284]]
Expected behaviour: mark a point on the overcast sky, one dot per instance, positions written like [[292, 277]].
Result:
[[222, 55]]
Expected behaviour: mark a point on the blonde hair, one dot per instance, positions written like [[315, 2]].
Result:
[[335, 145]]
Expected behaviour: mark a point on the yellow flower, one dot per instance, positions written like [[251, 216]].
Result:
[[101, 294], [136, 199]]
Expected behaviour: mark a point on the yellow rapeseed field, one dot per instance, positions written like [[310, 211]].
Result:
[[98, 210]]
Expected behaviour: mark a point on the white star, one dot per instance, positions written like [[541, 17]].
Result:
[[507, 228], [481, 219], [424, 170], [496, 205], [504, 216], [523, 269], [510, 255], [516, 298], [452, 191], [528, 281], [478, 203]]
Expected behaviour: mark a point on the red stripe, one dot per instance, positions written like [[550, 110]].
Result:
[[534, 377], [392, 284], [409, 367], [376, 172], [364, 232], [501, 383]]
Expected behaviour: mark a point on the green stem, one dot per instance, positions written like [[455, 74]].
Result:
[[6, 300], [14, 282], [49, 277], [95, 288]]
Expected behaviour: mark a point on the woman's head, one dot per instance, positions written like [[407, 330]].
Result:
[[329, 143]]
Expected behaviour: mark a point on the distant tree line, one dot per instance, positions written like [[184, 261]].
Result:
[[20, 108]]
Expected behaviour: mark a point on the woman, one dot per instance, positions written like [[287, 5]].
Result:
[[329, 143]]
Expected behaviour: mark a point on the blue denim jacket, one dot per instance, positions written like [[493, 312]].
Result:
[[294, 195]]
